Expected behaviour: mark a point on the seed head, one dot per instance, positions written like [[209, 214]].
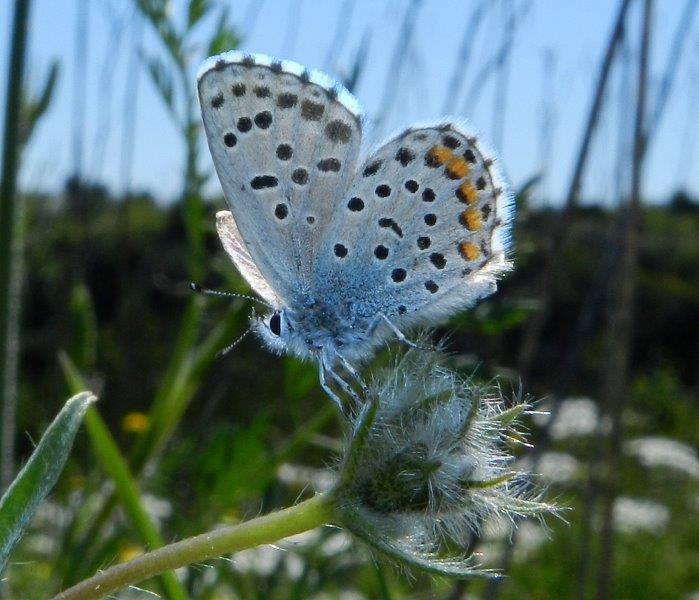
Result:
[[427, 463]]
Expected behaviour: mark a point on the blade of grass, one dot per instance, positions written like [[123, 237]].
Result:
[[115, 466], [39, 475]]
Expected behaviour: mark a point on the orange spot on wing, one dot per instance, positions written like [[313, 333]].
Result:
[[469, 251], [467, 193], [471, 219], [457, 168], [438, 155]]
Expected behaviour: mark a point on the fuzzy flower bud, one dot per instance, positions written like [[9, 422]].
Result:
[[427, 463]]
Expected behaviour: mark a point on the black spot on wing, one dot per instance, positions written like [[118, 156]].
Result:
[[263, 181], [312, 111], [281, 211], [355, 204], [405, 156], [383, 190], [284, 152], [412, 186], [372, 168], [329, 164], [388, 222], [287, 100], [338, 131], [263, 119], [451, 142], [300, 176], [428, 195], [244, 124], [438, 260], [381, 252], [398, 275]]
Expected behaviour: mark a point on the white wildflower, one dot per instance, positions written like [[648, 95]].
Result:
[[665, 453]]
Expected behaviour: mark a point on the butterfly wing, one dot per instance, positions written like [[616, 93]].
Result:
[[424, 229], [285, 142], [234, 246]]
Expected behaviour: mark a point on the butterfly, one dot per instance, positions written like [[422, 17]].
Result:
[[346, 251]]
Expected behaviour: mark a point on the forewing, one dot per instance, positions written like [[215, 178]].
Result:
[[285, 142], [424, 229], [234, 246]]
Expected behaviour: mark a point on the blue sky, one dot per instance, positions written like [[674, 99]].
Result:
[[574, 32]]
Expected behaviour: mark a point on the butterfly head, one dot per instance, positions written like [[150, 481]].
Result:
[[275, 329], [310, 333]]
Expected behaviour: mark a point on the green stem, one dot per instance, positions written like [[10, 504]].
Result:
[[263, 530], [9, 230]]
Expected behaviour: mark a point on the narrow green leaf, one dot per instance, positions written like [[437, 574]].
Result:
[[162, 80], [508, 416], [38, 476], [197, 9], [35, 105], [84, 327], [224, 38]]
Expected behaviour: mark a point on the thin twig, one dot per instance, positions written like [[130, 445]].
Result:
[[396, 67], [502, 69], [458, 75], [79, 85], [493, 65], [251, 14], [293, 23], [547, 122], [344, 18], [106, 81], [131, 90], [621, 318], [532, 333]]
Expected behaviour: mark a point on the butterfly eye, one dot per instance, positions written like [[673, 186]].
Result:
[[275, 324]]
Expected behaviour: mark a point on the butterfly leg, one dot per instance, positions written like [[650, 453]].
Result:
[[326, 386], [344, 386], [357, 377], [380, 317]]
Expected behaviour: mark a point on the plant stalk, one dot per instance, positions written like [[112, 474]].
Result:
[[9, 230], [620, 320], [269, 528]]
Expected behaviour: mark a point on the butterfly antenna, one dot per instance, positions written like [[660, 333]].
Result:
[[208, 292], [221, 353]]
